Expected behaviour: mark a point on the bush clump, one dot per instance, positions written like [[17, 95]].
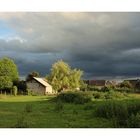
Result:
[[108, 95], [122, 114], [97, 95], [15, 90], [134, 121], [75, 97], [133, 107], [106, 89], [93, 88]]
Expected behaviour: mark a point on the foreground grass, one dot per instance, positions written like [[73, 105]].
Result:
[[40, 112]]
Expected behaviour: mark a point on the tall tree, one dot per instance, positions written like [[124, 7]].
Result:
[[63, 77], [8, 69]]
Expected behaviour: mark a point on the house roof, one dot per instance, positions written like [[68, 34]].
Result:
[[42, 81], [97, 82]]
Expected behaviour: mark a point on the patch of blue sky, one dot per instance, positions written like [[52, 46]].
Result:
[[6, 31]]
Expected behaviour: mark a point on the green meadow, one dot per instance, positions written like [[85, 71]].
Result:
[[45, 112]]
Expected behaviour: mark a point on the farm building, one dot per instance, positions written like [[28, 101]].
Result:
[[133, 82], [97, 82], [39, 86], [101, 82]]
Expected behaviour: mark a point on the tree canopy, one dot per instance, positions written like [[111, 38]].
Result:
[[8, 69], [63, 77], [5, 82], [8, 73]]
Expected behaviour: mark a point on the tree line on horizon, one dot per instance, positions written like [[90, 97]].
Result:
[[62, 78]]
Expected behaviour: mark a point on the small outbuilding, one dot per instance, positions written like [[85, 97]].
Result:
[[39, 86]]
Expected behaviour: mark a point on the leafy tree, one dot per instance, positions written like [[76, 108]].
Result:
[[9, 69], [5, 82], [126, 84], [62, 77], [75, 76], [31, 75]]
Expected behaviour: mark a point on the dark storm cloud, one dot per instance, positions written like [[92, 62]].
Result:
[[102, 44]]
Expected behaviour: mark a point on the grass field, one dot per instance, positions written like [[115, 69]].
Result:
[[41, 112]]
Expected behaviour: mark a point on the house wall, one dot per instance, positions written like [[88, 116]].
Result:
[[36, 87], [49, 90], [110, 83]]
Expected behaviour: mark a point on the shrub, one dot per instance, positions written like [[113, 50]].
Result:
[[76, 97], [28, 108], [114, 95], [119, 95], [97, 95], [110, 109], [108, 96], [122, 114], [113, 110], [93, 88], [134, 121], [133, 107], [15, 90], [106, 89], [125, 89]]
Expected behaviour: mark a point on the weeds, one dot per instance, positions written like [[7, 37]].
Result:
[[122, 114], [77, 97], [21, 122], [58, 106], [134, 121]]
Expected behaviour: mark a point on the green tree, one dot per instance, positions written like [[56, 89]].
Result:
[[5, 83], [31, 75], [9, 69], [75, 76], [62, 77], [126, 84]]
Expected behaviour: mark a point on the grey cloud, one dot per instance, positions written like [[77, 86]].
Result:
[[102, 44]]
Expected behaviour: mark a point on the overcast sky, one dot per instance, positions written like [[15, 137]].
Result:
[[101, 44]]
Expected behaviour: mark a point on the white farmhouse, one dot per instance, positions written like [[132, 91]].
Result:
[[39, 86]]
